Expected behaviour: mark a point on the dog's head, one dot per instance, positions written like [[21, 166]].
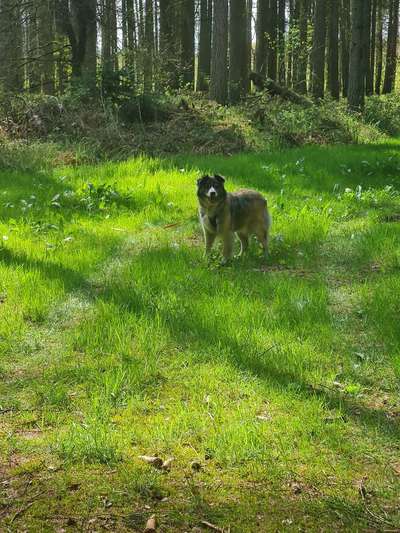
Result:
[[211, 189]]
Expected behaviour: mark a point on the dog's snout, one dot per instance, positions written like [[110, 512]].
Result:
[[212, 193]]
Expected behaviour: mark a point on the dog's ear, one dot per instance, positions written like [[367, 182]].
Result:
[[219, 178], [200, 180]]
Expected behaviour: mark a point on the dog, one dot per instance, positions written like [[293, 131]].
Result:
[[222, 214]]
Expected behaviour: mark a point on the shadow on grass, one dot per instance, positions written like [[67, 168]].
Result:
[[188, 327]]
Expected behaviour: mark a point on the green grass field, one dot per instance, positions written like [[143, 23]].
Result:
[[118, 340]]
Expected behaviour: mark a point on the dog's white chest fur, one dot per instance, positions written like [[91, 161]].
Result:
[[206, 223]]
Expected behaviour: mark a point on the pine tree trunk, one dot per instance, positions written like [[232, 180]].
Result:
[[300, 84], [11, 46], [272, 51], [149, 48], [249, 43], [281, 42], [204, 61], [345, 29], [367, 45], [32, 48], [370, 80], [238, 73], [333, 48], [318, 50], [89, 65], [261, 37], [391, 54], [187, 42], [219, 79], [379, 47], [356, 91], [293, 28]]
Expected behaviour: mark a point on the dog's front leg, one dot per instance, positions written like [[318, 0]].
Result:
[[227, 248], [209, 238]]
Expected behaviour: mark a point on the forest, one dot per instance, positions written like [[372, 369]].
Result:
[[146, 385]]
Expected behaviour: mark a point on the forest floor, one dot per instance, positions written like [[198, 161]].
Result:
[[274, 387]]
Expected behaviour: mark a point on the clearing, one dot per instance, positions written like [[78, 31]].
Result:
[[275, 389]]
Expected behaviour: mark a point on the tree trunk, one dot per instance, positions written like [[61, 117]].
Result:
[[356, 92], [149, 48], [238, 73], [345, 29], [281, 42], [367, 44], [187, 42], [219, 79], [292, 37], [379, 47], [89, 65], [371, 78], [249, 44], [32, 48], [333, 49], [261, 36], [11, 70], [168, 43], [318, 50], [300, 84], [391, 54], [204, 61], [272, 52]]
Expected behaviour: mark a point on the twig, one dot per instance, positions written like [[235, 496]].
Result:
[[21, 511], [212, 526]]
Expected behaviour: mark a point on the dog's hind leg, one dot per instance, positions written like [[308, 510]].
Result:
[[244, 242], [263, 237], [227, 248]]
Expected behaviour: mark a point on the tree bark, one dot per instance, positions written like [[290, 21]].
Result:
[[204, 61], [300, 84], [333, 49], [187, 42], [391, 53], [272, 51], [345, 29], [356, 92], [318, 50], [261, 37], [379, 47], [238, 73], [281, 41], [149, 48], [367, 44], [11, 70], [219, 79], [371, 78]]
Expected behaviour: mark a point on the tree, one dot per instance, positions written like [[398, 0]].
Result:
[[371, 70], [345, 28], [300, 84], [238, 70], [249, 44], [333, 48], [281, 41], [261, 36], [73, 20], [45, 15], [204, 61], [391, 53], [149, 47], [356, 91], [379, 47], [318, 49], [11, 71], [187, 41], [367, 45], [272, 52], [168, 42], [219, 60]]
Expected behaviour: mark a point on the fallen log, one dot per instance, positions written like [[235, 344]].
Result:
[[275, 89]]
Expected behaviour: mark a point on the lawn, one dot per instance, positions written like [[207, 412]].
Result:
[[273, 386]]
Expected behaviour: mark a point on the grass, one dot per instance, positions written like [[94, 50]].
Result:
[[118, 340]]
